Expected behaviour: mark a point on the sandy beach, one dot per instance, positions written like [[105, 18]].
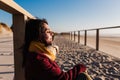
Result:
[[109, 45], [6, 58], [101, 66]]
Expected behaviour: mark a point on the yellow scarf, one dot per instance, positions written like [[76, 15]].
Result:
[[38, 47]]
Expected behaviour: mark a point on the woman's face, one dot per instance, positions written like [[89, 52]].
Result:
[[47, 35]]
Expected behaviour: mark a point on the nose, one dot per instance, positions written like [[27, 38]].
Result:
[[52, 33]]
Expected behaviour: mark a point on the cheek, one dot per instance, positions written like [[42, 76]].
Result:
[[48, 37]]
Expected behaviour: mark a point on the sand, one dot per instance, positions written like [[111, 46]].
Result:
[[109, 45], [101, 66], [6, 57]]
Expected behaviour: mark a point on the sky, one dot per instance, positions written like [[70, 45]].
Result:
[[71, 15]]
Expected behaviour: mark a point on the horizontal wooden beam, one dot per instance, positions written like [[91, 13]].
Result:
[[13, 8]]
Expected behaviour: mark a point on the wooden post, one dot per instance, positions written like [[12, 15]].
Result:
[[78, 36], [97, 39], [74, 35], [71, 36], [85, 43], [18, 37]]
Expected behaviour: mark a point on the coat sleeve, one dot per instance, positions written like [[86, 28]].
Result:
[[55, 73], [72, 73]]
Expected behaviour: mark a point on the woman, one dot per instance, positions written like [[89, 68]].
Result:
[[39, 61]]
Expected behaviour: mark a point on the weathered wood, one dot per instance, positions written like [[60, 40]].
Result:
[[97, 39], [18, 37], [78, 36], [19, 18], [85, 42]]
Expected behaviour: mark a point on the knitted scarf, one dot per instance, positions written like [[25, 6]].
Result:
[[38, 47]]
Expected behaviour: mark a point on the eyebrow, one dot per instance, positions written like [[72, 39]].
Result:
[[47, 29]]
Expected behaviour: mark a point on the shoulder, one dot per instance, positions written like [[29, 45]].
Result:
[[41, 56], [33, 56]]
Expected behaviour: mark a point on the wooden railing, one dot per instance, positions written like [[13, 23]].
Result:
[[19, 17], [72, 34]]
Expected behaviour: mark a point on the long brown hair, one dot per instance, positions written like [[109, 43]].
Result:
[[33, 29]]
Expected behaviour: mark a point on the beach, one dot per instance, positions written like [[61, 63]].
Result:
[[107, 44], [100, 65], [6, 57]]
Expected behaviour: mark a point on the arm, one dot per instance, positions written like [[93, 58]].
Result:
[[73, 73], [52, 70]]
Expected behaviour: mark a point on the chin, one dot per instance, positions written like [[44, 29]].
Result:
[[48, 43]]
